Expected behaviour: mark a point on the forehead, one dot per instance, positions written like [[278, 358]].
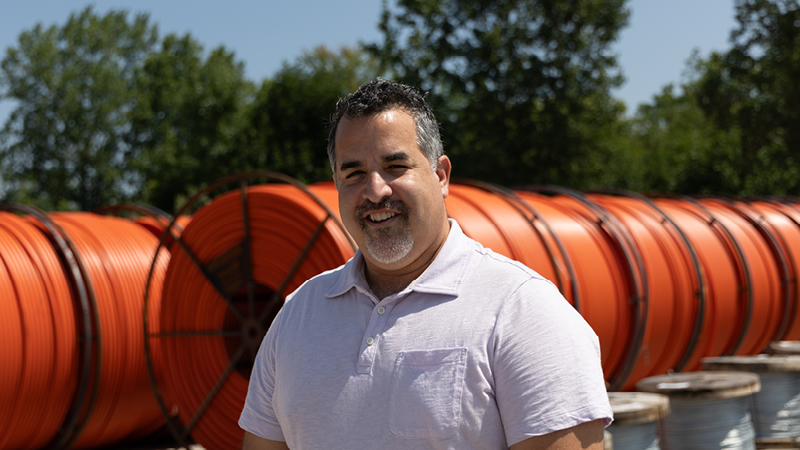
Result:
[[388, 130]]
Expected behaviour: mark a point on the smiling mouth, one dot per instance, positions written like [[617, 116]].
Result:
[[381, 217]]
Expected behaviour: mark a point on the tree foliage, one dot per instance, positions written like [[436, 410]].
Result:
[[753, 90], [185, 128], [522, 87], [677, 149], [108, 112], [64, 146], [288, 120], [735, 128]]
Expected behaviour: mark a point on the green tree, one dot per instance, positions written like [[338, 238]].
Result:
[[678, 149], [185, 128], [522, 88], [63, 147], [288, 120], [753, 91]]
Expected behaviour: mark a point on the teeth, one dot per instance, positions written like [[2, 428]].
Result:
[[381, 217]]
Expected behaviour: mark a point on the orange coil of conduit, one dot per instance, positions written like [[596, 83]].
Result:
[[671, 280], [39, 356], [76, 376], [151, 218], [761, 315], [604, 274], [164, 229], [784, 221], [117, 256], [229, 274]]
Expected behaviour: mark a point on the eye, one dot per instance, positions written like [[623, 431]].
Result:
[[353, 175]]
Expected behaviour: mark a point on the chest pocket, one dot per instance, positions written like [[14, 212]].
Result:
[[425, 402]]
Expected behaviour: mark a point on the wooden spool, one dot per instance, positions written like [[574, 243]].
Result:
[[764, 365]]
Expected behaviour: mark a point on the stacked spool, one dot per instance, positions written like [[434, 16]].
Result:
[[636, 417], [776, 408], [73, 365], [708, 409]]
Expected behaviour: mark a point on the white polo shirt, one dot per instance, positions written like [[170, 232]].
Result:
[[480, 352]]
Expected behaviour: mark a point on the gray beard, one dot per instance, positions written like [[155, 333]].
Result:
[[389, 246], [386, 246]]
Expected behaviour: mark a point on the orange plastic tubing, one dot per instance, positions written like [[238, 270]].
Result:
[[671, 284], [603, 287], [117, 255], [761, 317], [38, 358], [39, 361], [205, 374], [784, 219]]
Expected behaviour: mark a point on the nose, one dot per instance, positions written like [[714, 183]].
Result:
[[376, 188]]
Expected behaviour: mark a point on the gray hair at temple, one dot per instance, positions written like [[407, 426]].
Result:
[[379, 96]]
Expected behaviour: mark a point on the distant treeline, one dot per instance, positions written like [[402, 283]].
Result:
[[109, 111]]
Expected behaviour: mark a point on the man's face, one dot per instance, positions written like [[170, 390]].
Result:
[[390, 199]]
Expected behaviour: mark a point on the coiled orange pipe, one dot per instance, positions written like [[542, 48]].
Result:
[[229, 273], [38, 363], [117, 404], [664, 282], [604, 273], [117, 255], [671, 282]]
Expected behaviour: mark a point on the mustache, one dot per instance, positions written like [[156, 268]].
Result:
[[367, 206]]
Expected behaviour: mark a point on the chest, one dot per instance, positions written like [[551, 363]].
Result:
[[351, 357]]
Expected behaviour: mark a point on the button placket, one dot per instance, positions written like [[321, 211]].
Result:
[[375, 327]]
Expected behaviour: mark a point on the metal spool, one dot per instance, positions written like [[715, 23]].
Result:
[[709, 409], [636, 416], [248, 307], [776, 408]]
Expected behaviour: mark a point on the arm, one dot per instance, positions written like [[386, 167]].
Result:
[[588, 435], [253, 442]]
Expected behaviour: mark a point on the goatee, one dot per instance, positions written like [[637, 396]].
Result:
[[390, 244]]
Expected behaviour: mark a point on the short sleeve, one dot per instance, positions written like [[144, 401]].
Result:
[[258, 415], [546, 365]]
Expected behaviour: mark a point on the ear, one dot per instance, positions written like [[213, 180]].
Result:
[[443, 174]]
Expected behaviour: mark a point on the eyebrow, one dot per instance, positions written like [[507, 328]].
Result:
[[396, 156]]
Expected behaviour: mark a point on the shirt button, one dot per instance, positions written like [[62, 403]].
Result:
[[381, 310], [370, 341]]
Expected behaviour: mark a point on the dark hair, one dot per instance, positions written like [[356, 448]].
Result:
[[379, 96]]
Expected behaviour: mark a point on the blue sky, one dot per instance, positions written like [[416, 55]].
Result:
[[652, 50]]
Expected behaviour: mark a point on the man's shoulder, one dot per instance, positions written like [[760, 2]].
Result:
[[491, 263], [320, 284]]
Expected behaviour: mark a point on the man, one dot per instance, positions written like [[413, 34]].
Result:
[[424, 339]]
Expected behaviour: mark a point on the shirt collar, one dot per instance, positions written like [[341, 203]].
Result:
[[444, 276]]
